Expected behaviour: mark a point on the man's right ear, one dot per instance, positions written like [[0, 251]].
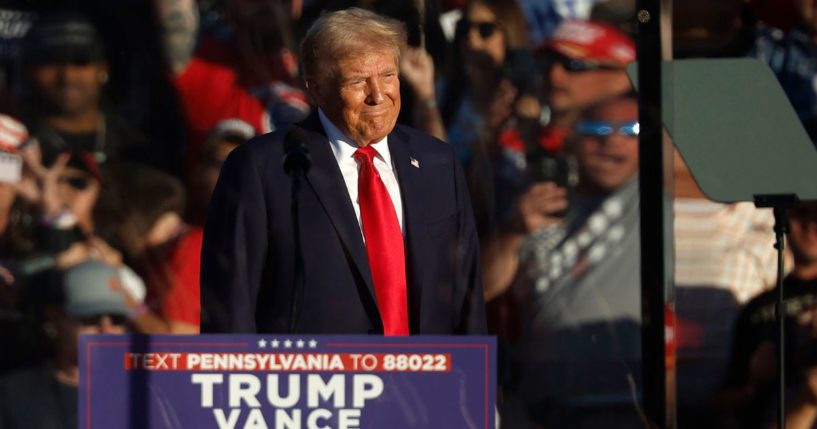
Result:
[[312, 92]]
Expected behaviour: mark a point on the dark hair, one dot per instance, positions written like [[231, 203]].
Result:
[[131, 200], [512, 20]]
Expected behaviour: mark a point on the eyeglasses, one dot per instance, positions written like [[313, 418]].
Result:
[[486, 29], [574, 65], [77, 182], [604, 129]]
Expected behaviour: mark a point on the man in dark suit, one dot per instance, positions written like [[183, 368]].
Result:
[[388, 241]]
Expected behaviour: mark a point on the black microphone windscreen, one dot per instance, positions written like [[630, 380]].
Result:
[[296, 154], [294, 137]]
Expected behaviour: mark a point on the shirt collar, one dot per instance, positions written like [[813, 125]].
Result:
[[343, 147]]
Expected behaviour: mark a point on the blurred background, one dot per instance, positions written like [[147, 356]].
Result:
[[115, 118]]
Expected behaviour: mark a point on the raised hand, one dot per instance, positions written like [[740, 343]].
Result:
[[40, 184], [417, 69], [540, 205]]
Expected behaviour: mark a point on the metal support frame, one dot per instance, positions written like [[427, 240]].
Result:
[[655, 184]]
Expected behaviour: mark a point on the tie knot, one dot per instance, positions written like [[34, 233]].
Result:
[[366, 153]]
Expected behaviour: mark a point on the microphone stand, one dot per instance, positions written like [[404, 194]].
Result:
[[296, 302], [296, 165]]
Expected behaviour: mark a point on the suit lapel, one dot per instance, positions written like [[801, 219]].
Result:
[[406, 165], [327, 181]]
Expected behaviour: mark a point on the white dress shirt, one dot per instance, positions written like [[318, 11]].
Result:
[[344, 149]]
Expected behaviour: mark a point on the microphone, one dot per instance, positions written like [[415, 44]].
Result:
[[296, 165], [296, 154]]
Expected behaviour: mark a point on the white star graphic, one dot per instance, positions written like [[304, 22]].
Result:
[[313, 344], [274, 343], [299, 344], [287, 344], [262, 343]]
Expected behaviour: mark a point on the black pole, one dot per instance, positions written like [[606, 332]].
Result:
[[296, 164], [779, 204], [296, 302], [781, 226], [655, 207]]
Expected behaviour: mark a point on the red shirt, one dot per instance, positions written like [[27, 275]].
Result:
[[211, 92], [181, 304]]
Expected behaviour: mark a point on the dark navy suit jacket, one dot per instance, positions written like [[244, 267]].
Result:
[[248, 258]]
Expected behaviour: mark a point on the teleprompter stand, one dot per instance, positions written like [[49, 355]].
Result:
[[742, 141], [779, 204]]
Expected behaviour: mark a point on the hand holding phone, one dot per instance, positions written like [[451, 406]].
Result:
[[11, 167], [542, 205]]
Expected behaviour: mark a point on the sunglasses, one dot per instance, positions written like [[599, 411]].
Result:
[[604, 129], [577, 66], [77, 182], [485, 29]]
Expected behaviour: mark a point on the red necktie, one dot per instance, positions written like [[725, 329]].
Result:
[[384, 245]]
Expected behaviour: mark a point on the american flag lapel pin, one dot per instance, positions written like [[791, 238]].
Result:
[[415, 163]]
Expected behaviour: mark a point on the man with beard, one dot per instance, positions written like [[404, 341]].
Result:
[[571, 267]]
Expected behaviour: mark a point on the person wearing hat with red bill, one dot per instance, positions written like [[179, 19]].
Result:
[[584, 64]]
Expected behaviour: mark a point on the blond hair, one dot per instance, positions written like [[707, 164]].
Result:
[[336, 35]]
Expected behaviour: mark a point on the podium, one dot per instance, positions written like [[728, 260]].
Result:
[[286, 381]]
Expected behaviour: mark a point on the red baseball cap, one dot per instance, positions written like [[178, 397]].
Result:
[[591, 40]]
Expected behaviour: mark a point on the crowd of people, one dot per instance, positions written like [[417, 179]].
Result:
[[110, 150]]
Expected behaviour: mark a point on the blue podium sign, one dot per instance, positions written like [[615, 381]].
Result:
[[286, 382]]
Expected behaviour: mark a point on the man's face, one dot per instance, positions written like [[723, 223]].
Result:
[[362, 98], [573, 90], [803, 233], [71, 327], [608, 162], [69, 88]]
